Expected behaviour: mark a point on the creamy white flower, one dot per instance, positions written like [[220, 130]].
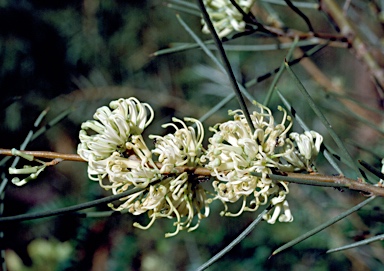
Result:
[[110, 131], [124, 173], [235, 152], [185, 196], [182, 148], [233, 146], [308, 147], [136, 170], [226, 17]]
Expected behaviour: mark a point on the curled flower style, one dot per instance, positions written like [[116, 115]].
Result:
[[234, 152], [183, 195], [182, 148], [281, 211], [109, 132], [173, 197], [225, 16]]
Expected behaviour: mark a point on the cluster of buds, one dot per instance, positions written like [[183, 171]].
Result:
[[119, 159], [225, 16]]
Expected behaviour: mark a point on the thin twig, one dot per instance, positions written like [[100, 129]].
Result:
[[301, 14], [46, 154], [331, 181], [301, 178], [226, 64]]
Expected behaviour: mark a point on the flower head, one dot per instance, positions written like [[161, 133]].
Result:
[[114, 148], [182, 148], [110, 131], [235, 152], [185, 197], [226, 17]]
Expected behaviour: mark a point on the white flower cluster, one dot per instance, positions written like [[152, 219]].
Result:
[[235, 152], [171, 197], [225, 16], [119, 159], [115, 150], [178, 195]]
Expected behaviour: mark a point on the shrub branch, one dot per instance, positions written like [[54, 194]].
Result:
[[313, 179]]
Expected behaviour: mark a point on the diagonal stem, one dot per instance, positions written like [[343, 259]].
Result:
[[226, 64]]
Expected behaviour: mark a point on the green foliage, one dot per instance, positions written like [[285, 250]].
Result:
[[85, 54]]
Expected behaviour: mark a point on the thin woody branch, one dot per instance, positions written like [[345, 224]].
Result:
[[333, 181], [46, 154], [308, 179]]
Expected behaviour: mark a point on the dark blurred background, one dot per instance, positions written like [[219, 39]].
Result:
[[83, 54]]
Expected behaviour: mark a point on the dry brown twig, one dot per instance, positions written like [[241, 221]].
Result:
[[309, 179]]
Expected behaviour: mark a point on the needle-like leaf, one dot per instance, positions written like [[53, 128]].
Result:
[[237, 240], [322, 226], [357, 244]]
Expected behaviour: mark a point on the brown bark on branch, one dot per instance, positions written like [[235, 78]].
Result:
[[309, 179]]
